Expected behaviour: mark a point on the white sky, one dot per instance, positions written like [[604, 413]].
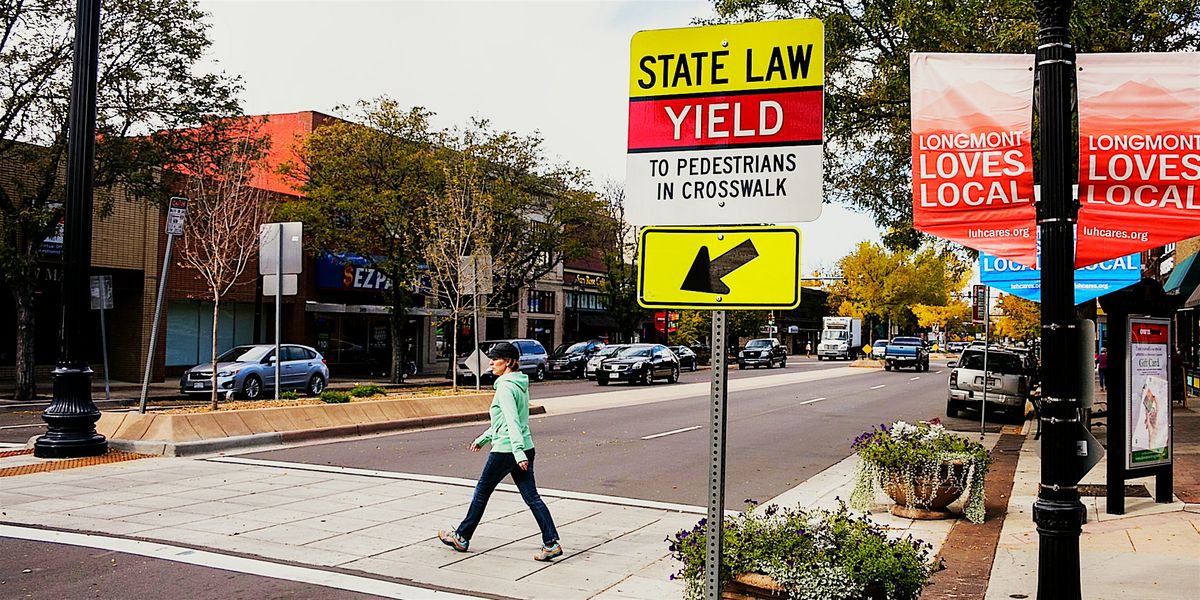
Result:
[[556, 67]]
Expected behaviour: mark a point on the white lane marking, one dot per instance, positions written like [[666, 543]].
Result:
[[14, 446], [672, 432], [879, 386], [23, 426], [811, 401], [914, 378], [469, 483], [938, 373], [236, 564]]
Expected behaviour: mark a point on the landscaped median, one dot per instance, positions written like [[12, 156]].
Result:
[[191, 431]]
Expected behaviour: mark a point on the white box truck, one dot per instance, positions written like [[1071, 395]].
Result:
[[841, 337]]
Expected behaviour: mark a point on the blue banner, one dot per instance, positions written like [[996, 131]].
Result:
[[1090, 282]]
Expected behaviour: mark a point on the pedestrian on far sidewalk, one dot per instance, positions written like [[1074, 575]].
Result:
[[512, 454], [1102, 366], [808, 348]]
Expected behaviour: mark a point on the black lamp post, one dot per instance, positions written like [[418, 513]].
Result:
[[71, 417], [1057, 511]]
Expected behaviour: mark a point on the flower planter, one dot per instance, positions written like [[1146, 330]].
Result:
[[753, 586], [952, 477]]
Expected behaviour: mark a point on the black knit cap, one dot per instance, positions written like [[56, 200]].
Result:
[[504, 350]]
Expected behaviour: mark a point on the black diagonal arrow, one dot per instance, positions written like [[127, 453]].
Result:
[[705, 275]]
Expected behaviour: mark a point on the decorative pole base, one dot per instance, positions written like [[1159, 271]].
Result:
[[71, 418]]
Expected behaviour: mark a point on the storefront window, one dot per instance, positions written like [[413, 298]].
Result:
[[541, 330], [189, 330], [541, 302]]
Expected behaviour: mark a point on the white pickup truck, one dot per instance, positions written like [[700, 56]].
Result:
[[1008, 382]]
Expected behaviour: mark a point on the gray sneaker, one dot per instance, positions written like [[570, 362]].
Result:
[[452, 539]]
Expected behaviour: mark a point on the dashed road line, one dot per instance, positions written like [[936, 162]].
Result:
[[672, 432], [811, 401], [879, 386], [914, 378]]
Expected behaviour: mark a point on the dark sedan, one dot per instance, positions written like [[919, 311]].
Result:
[[688, 360], [640, 363], [570, 360]]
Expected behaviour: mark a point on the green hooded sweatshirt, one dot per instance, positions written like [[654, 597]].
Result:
[[510, 417]]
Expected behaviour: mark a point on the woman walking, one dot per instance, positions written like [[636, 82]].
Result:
[[512, 454]]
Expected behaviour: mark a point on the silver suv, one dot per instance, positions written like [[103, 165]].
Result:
[[1008, 382], [534, 361]]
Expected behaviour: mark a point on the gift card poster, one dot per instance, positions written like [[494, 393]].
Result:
[[1148, 401]]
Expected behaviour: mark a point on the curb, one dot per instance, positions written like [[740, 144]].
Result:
[[242, 442]]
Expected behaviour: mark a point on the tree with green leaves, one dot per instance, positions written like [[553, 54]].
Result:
[[1020, 319], [867, 45], [365, 182], [151, 96], [882, 286], [619, 286], [541, 218]]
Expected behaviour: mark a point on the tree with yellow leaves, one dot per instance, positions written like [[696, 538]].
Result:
[[1021, 319]]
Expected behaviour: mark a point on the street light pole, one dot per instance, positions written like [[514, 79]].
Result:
[[1057, 511], [71, 417]]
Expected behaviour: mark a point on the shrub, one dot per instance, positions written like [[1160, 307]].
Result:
[[814, 554], [332, 397], [364, 391], [289, 395]]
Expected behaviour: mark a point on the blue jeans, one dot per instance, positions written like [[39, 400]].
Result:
[[499, 465]]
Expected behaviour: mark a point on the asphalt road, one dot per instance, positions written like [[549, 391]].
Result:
[[774, 442]]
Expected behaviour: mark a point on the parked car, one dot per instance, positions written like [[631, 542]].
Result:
[[878, 348], [687, 358], [570, 360], [640, 363], [955, 347], [593, 363], [249, 372], [1008, 382], [703, 353], [763, 352], [906, 352], [533, 361]]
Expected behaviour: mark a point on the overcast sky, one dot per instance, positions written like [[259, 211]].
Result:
[[556, 67]]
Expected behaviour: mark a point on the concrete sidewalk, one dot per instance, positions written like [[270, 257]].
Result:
[[1152, 552], [379, 527]]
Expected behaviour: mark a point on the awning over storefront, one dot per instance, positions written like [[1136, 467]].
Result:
[[597, 320], [1184, 277], [1193, 301]]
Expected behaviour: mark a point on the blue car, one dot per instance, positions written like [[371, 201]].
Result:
[[249, 372]]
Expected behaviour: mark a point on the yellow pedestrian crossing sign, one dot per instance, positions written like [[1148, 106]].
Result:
[[719, 268]]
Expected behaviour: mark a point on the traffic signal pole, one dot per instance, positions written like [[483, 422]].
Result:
[[1057, 511]]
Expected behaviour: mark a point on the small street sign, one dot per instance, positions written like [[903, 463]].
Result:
[[101, 292], [290, 285], [979, 303], [726, 124], [478, 362], [735, 268], [176, 215], [292, 235], [475, 274]]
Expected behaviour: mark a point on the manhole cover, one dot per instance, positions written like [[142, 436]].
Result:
[[1101, 490]]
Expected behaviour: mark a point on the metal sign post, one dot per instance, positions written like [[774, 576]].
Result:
[[102, 300], [176, 215], [716, 459], [278, 302], [987, 342]]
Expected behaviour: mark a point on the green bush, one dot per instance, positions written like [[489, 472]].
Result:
[[332, 397], [289, 395], [364, 391], [814, 554]]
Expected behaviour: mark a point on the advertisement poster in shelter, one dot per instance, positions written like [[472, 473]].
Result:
[[972, 161], [1148, 393], [1139, 152]]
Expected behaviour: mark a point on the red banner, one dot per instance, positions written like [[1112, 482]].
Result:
[[972, 162], [1139, 153]]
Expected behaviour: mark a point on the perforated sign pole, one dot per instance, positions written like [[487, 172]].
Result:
[[176, 215], [716, 459]]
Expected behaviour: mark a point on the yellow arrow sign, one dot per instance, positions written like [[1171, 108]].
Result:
[[719, 268]]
